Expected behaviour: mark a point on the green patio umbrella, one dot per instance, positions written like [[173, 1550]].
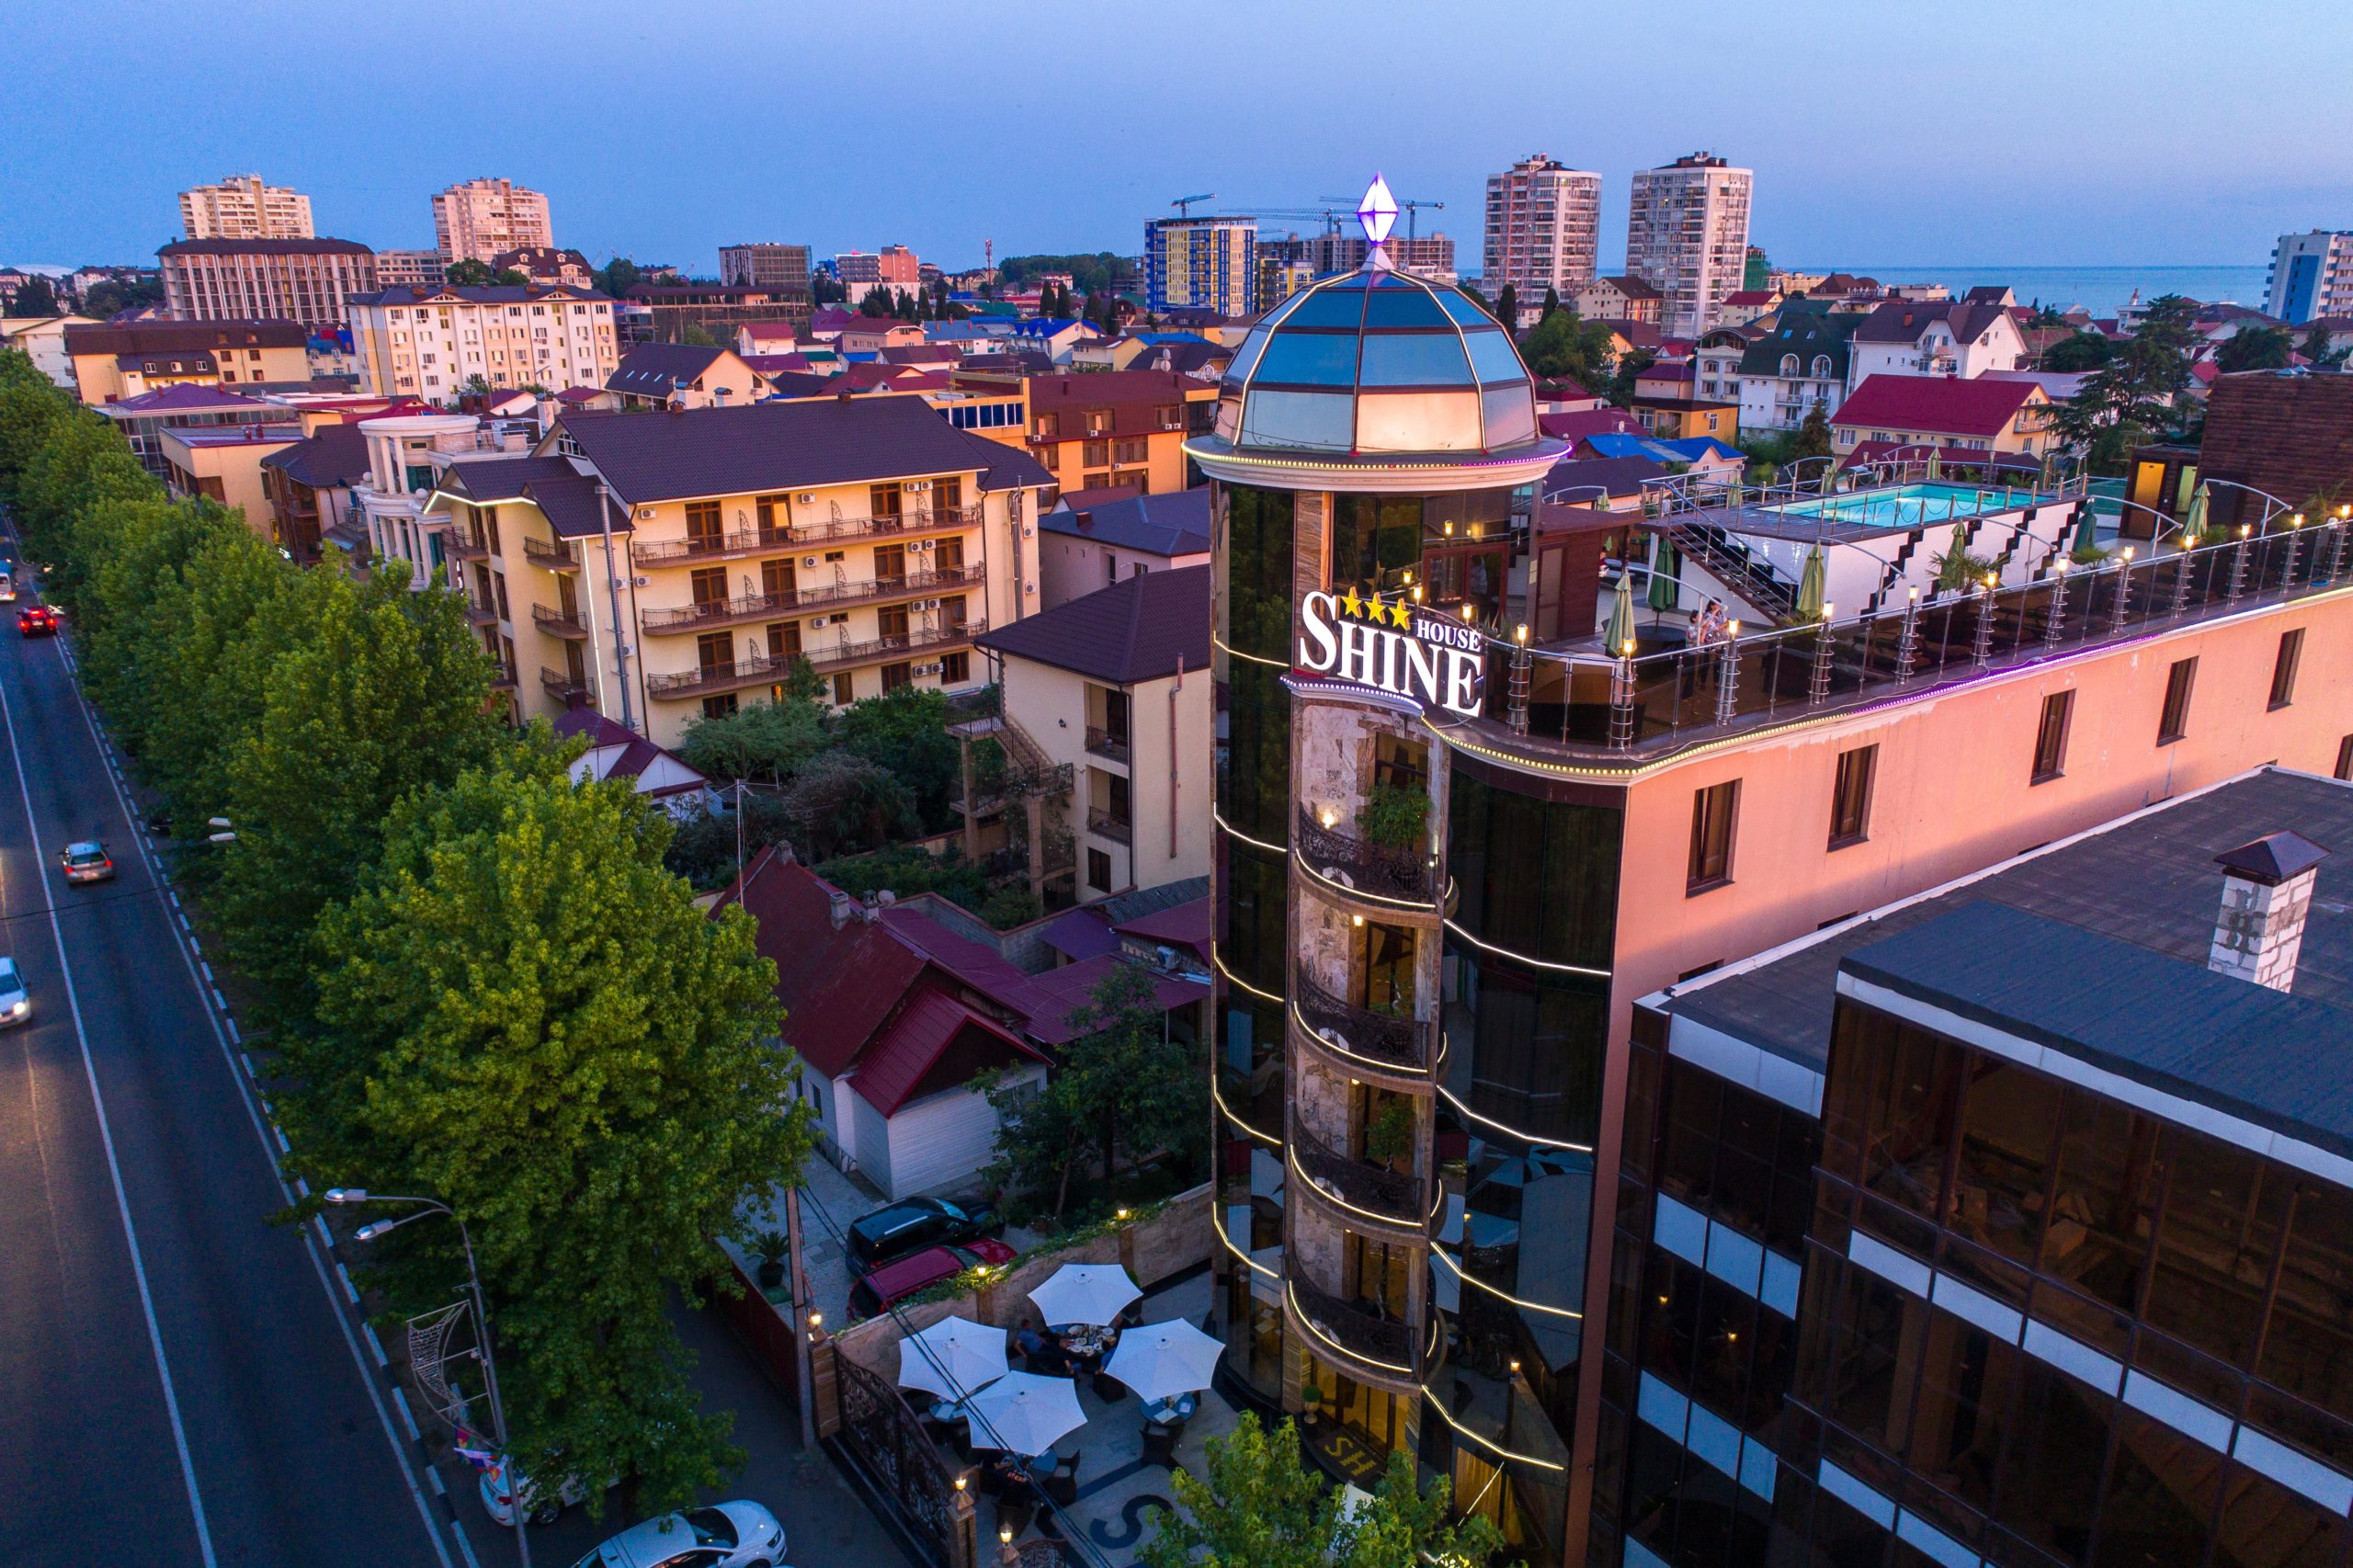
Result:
[[1936, 464], [2195, 524], [1620, 629], [1666, 591], [2087, 532], [1811, 581]]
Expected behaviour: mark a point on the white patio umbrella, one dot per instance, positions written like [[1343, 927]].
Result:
[[1025, 1413], [1161, 1361], [1085, 1294], [951, 1357]]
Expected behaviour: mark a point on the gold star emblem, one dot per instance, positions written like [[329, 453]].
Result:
[[1351, 605], [1403, 616]]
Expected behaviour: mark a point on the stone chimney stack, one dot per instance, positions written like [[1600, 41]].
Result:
[[2266, 893], [841, 906]]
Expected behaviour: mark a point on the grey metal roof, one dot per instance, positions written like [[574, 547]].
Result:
[[2280, 1060], [1175, 522], [1140, 628], [2149, 884], [654, 370], [775, 446], [564, 495]]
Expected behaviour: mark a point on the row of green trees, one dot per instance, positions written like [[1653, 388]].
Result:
[[470, 976]]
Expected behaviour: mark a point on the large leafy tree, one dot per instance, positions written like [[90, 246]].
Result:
[[2084, 350], [1814, 433], [1124, 1091], [2256, 349], [764, 744], [1257, 1507], [383, 697], [521, 1012], [840, 804], [1563, 344], [907, 732], [2138, 389], [2315, 348]]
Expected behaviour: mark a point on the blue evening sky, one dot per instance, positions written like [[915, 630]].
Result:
[[2056, 132]]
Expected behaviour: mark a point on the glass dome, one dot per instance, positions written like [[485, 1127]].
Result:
[[1377, 362]]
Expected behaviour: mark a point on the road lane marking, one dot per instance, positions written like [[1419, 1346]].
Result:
[[318, 1267], [114, 1165]]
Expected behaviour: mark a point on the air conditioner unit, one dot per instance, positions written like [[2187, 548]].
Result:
[[817, 620], [645, 514], [924, 543], [918, 484], [642, 582], [809, 563], [929, 669], [806, 498]]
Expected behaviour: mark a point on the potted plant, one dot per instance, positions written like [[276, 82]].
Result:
[[1390, 1136], [769, 1247], [1394, 816], [1311, 1404]]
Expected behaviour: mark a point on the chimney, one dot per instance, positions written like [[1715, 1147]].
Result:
[[841, 904], [2266, 893]]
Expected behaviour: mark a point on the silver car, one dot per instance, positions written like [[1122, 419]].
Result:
[[15, 1002], [728, 1535]]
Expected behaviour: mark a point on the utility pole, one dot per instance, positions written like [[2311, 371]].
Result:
[[613, 593], [801, 1325]]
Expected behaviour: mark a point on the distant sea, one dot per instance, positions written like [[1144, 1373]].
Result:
[[2099, 290]]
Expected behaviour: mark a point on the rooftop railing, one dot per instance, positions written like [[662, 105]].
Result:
[[1657, 702]]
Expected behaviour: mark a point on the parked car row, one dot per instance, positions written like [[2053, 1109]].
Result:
[[903, 1248]]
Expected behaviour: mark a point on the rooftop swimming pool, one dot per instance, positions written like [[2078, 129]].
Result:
[[1909, 506]]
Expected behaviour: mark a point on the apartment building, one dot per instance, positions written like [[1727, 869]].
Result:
[[410, 268], [2312, 275], [1939, 1235], [781, 269], [1109, 427], [1543, 228], [718, 309], [1963, 422], [865, 535], [1951, 338], [1201, 262], [894, 267], [1430, 254], [475, 221], [1113, 687], [548, 265], [1451, 860], [242, 208], [1617, 299], [1687, 235], [431, 342], [1801, 361], [1091, 541], [111, 362], [304, 280]]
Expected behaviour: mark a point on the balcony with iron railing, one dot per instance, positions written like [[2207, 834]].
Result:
[[1365, 1191], [1645, 708], [481, 612], [732, 674], [1359, 1035], [1103, 824], [460, 545], [501, 676], [557, 621], [1359, 1336], [753, 608], [563, 687], [751, 541], [1106, 743], [559, 556], [1388, 875]]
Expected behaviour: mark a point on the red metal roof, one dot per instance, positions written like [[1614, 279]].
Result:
[[936, 1042], [1942, 405]]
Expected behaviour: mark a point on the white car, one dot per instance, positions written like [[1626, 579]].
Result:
[[498, 1495], [728, 1535], [15, 1002]]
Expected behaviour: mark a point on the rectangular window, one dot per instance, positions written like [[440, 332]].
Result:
[[896, 676], [955, 669], [843, 692], [784, 641], [709, 584], [1851, 797], [891, 565], [1095, 454], [715, 653], [777, 578], [892, 619], [2344, 760], [2051, 739], [2283, 668], [1712, 811], [1098, 871], [882, 500], [703, 525], [2174, 724]]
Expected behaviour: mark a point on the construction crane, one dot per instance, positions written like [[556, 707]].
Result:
[[1184, 204], [1328, 217], [1408, 208]]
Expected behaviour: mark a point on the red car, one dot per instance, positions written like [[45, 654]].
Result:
[[895, 1282], [37, 621]]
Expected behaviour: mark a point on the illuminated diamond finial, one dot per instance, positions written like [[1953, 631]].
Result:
[[1378, 211]]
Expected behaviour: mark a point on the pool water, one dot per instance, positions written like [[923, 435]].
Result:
[[1908, 506]]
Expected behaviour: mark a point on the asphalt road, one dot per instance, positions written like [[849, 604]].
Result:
[[179, 1380]]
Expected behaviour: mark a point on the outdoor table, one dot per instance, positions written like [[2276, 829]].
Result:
[[1162, 1411]]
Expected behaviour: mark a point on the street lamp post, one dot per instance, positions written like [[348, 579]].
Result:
[[427, 1207]]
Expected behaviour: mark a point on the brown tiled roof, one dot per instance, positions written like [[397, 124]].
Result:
[[336, 456], [1134, 399], [264, 248], [1943, 405], [183, 338], [2290, 434], [1902, 320], [1140, 628]]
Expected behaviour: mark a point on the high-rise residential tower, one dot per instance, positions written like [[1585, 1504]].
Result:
[[778, 267], [1686, 236], [1543, 223], [242, 208], [475, 221], [2312, 275], [1201, 263]]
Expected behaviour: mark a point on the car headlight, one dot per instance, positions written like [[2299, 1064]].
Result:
[[19, 1008]]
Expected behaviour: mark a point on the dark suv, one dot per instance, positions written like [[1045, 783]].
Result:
[[898, 1229]]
